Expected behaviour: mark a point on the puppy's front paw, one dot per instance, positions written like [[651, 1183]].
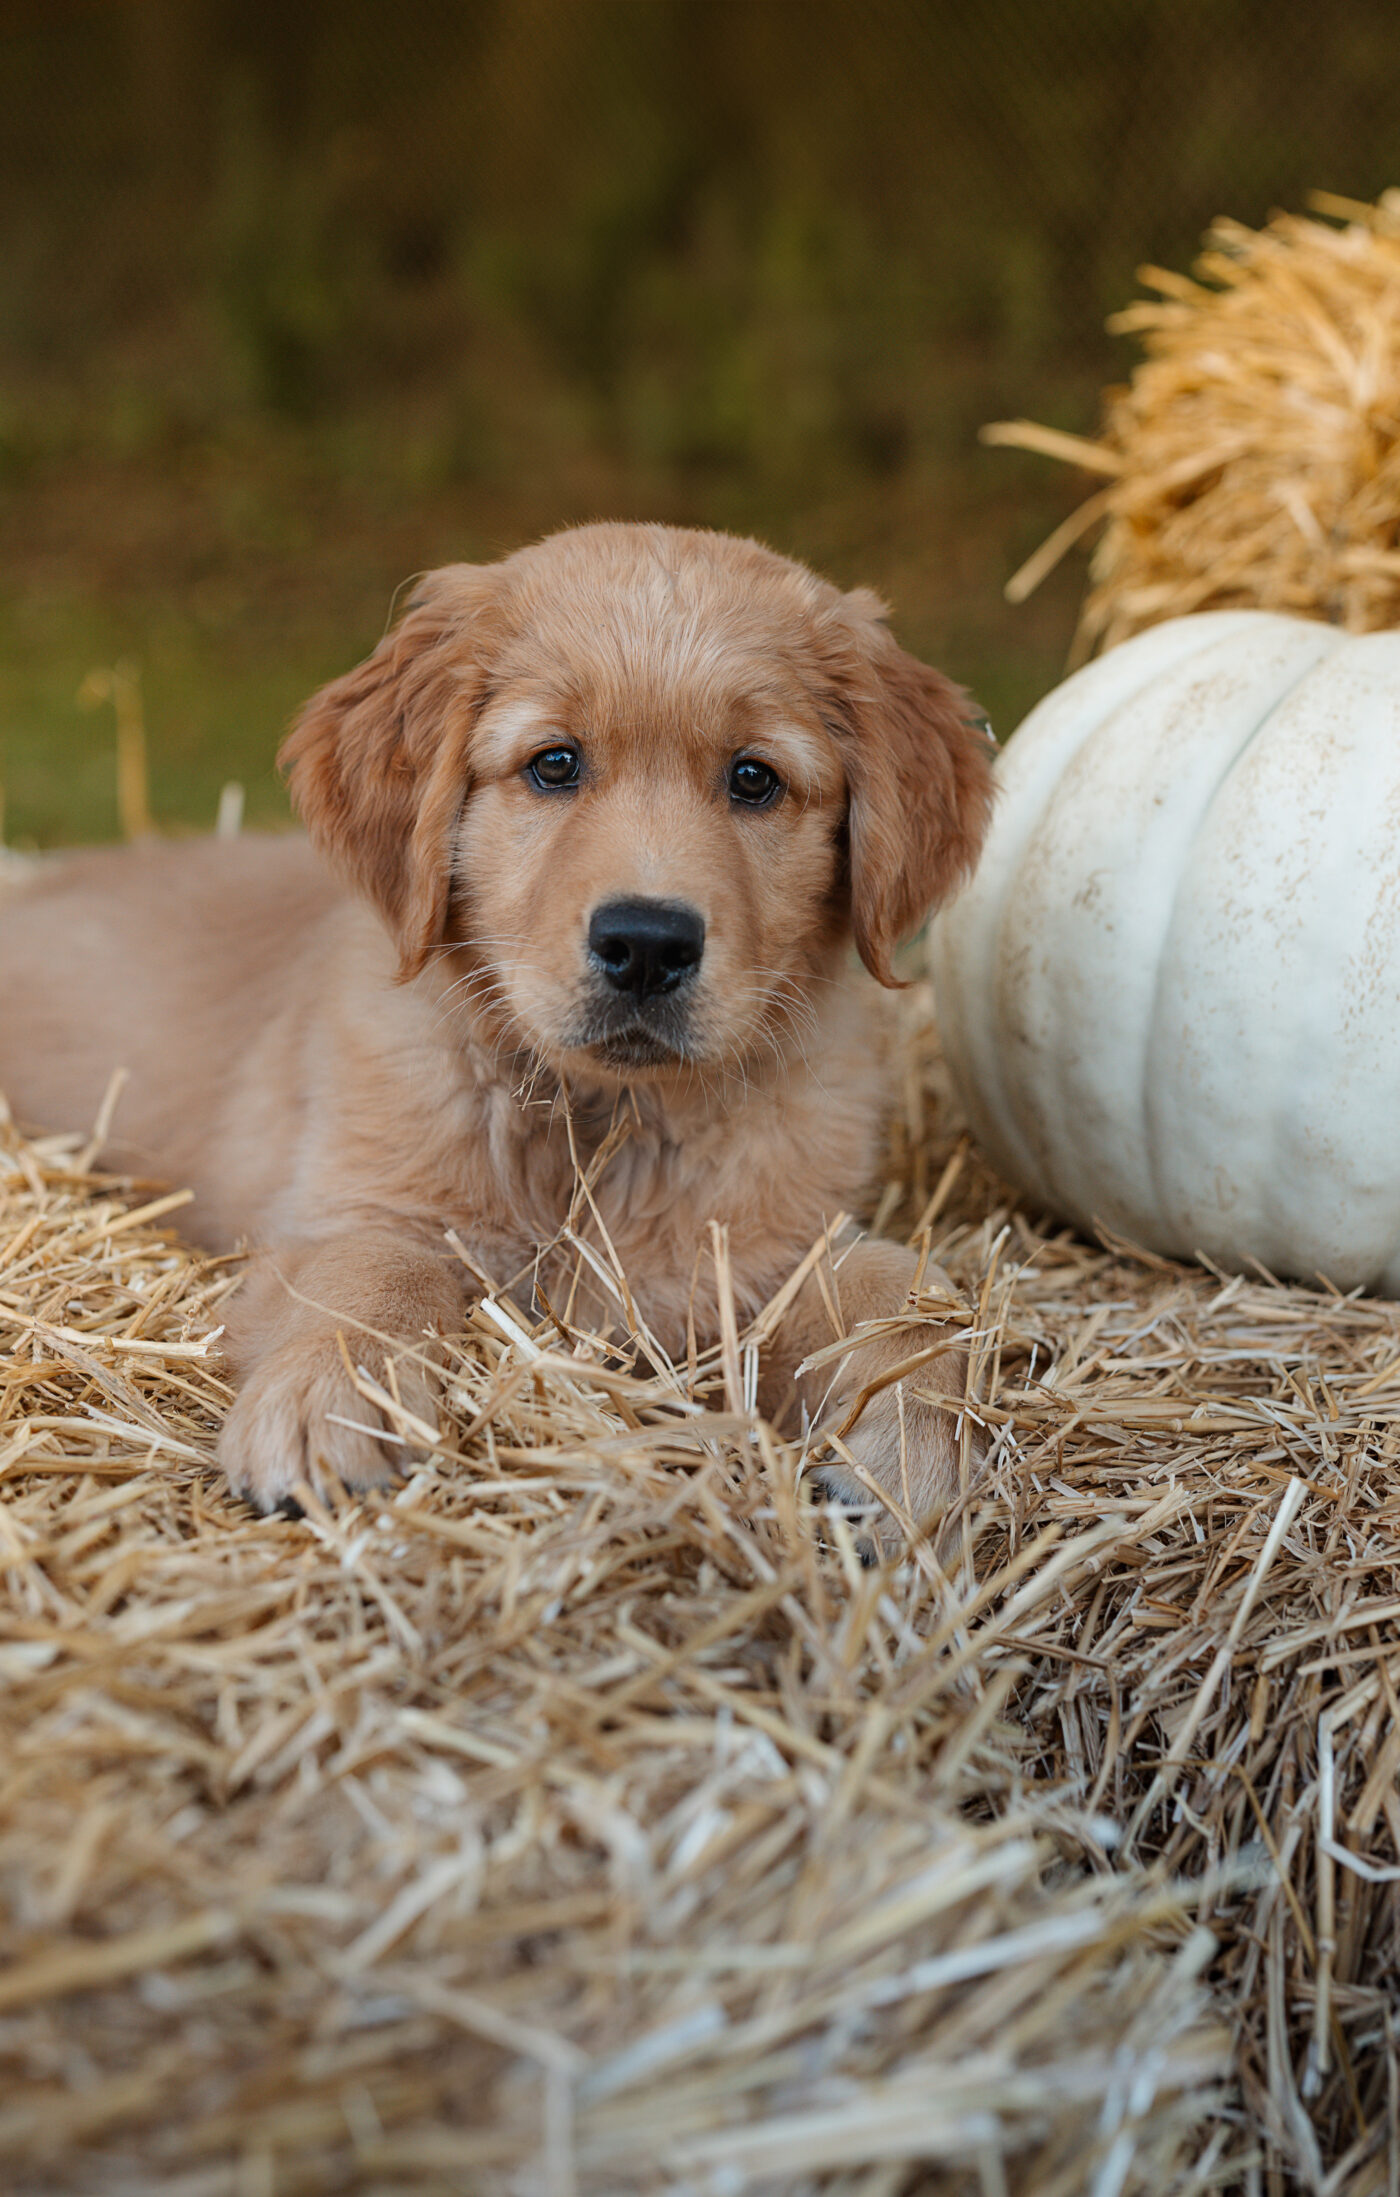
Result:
[[289, 1424], [909, 1445]]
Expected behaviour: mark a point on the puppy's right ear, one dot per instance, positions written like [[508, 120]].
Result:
[[379, 762]]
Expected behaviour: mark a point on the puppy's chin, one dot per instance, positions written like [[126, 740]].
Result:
[[590, 1038], [640, 1047], [626, 1050]]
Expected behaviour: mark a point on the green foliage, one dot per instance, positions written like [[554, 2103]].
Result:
[[745, 233], [293, 301], [282, 263], [214, 710]]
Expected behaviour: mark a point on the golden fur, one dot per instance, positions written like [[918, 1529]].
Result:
[[343, 1066]]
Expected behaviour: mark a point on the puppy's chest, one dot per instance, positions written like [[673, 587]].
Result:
[[585, 1166], [650, 1176], [653, 1189]]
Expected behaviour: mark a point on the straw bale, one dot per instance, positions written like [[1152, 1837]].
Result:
[[583, 1817], [1253, 460]]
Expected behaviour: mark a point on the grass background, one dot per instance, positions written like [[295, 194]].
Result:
[[295, 302]]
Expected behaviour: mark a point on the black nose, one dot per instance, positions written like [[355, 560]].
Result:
[[646, 946]]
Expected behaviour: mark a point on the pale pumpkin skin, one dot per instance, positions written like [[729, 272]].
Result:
[[1170, 999]]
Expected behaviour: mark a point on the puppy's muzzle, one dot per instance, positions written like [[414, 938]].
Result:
[[643, 948]]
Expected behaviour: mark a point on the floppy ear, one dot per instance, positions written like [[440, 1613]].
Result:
[[919, 773], [378, 761]]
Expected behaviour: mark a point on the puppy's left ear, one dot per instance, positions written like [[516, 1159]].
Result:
[[919, 772], [378, 761]]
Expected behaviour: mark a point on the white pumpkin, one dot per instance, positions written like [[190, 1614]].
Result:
[[1170, 998]]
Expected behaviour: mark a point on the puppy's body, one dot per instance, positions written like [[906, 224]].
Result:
[[173, 962], [276, 1069], [625, 727]]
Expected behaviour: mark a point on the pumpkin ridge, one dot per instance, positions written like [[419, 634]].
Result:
[[969, 1025], [1151, 1135]]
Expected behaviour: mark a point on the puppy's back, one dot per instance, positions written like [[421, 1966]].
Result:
[[183, 964]]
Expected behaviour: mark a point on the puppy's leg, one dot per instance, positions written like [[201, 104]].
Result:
[[294, 1391], [906, 1432]]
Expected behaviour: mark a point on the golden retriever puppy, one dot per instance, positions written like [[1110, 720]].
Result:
[[601, 822]]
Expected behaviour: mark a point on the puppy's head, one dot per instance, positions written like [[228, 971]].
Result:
[[645, 783]]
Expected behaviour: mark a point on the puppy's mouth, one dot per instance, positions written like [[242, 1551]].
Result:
[[636, 1047], [623, 1036]]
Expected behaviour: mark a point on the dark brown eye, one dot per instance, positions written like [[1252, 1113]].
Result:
[[555, 767], [753, 783]]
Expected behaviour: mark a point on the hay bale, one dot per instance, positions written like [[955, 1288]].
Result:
[[1253, 460], [582, 1817]]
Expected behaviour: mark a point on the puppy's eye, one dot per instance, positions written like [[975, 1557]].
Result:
[[753, 783], [554, 767]]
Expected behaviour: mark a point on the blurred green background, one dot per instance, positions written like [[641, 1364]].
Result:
[[297, 300]]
